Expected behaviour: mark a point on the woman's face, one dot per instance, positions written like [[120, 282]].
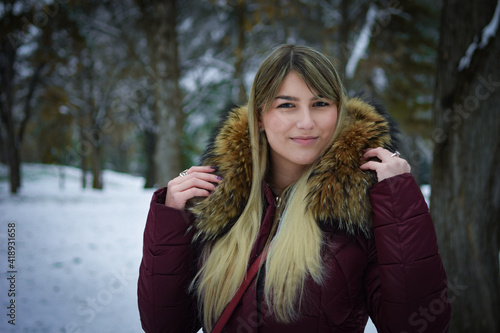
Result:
[[298, 125]]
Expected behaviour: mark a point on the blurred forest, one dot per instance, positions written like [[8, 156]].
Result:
[[137, 86]]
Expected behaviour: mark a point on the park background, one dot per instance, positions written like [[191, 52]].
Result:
[[103, 101]]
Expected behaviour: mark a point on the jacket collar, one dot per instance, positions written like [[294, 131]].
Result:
[[338, 195]]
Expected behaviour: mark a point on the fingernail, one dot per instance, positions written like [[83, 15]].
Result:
[[213, 167], [219, 177]]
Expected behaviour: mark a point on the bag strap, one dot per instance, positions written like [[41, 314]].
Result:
[[229, 309]]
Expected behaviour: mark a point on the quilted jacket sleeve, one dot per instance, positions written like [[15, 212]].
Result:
[[405, 281], [166, 270]]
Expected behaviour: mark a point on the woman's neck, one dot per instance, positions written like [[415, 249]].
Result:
[[280, 179]]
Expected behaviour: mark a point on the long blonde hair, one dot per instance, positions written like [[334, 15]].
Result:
[[294, 252]]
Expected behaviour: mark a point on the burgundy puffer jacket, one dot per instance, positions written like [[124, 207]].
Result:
[[380, 252], [397, 278]]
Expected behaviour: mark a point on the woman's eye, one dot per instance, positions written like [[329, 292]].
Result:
[[285, 105], [320, 104]]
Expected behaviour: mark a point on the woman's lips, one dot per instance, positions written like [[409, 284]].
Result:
[[304, 140]]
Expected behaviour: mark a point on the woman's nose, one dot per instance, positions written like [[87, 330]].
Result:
[[305, 120]]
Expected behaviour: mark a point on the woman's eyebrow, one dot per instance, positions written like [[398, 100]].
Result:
[[288, 98], [295, 99]]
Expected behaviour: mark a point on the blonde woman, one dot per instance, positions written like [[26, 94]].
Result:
[[302, 218]]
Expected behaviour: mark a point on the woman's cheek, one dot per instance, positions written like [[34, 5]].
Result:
[[278, 123]]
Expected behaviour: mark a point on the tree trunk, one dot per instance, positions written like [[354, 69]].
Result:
[[345, 28], [239, 95], [97, 167], [14, 162], [7, 74], [149, 148], [83, 147], [14, 130], [3, 148], [84, 168], [164, 56], [465, 201]]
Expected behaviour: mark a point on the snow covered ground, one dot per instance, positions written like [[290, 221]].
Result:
[[77, 252]]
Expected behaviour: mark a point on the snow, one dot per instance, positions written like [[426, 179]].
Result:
[[362, 42], [77, 251], [426, 192], [379, 79], [488, 32], [370, 328]]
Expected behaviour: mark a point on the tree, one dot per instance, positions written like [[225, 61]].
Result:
[[160, 24], [97, 64], [465, 181], [240, 11], [16, 102]]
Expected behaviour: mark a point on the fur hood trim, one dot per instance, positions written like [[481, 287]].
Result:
[[338, 194]]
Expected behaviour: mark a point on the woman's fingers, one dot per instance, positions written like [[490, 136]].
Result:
[[194, 179], [197, 181], [381, 153], [388, 164], [194, 169], [179, 199]]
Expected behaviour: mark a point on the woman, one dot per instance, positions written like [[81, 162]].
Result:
[[299, 186]]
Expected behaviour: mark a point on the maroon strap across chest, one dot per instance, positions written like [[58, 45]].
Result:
[[229, 309]]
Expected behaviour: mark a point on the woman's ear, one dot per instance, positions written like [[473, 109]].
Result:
[[260, 124]]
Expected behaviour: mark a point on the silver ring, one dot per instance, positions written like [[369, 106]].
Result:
[[396, 153], [184, 173]]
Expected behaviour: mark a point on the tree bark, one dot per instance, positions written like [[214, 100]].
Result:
[[149, 148], [14, 161], [465, 201], [345, 27], [7, 75], [240, 96], [97, 167], [3, 148], [82, 151], [12, 148], [84, 168]]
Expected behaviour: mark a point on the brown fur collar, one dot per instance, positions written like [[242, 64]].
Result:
[[338, 188]]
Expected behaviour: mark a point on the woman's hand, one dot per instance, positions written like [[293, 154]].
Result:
[[198, 182], [389, 165]]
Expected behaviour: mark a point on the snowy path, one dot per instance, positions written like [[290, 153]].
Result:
[[77, 253]]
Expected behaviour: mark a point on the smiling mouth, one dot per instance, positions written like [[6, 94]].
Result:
[[304, 140]]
